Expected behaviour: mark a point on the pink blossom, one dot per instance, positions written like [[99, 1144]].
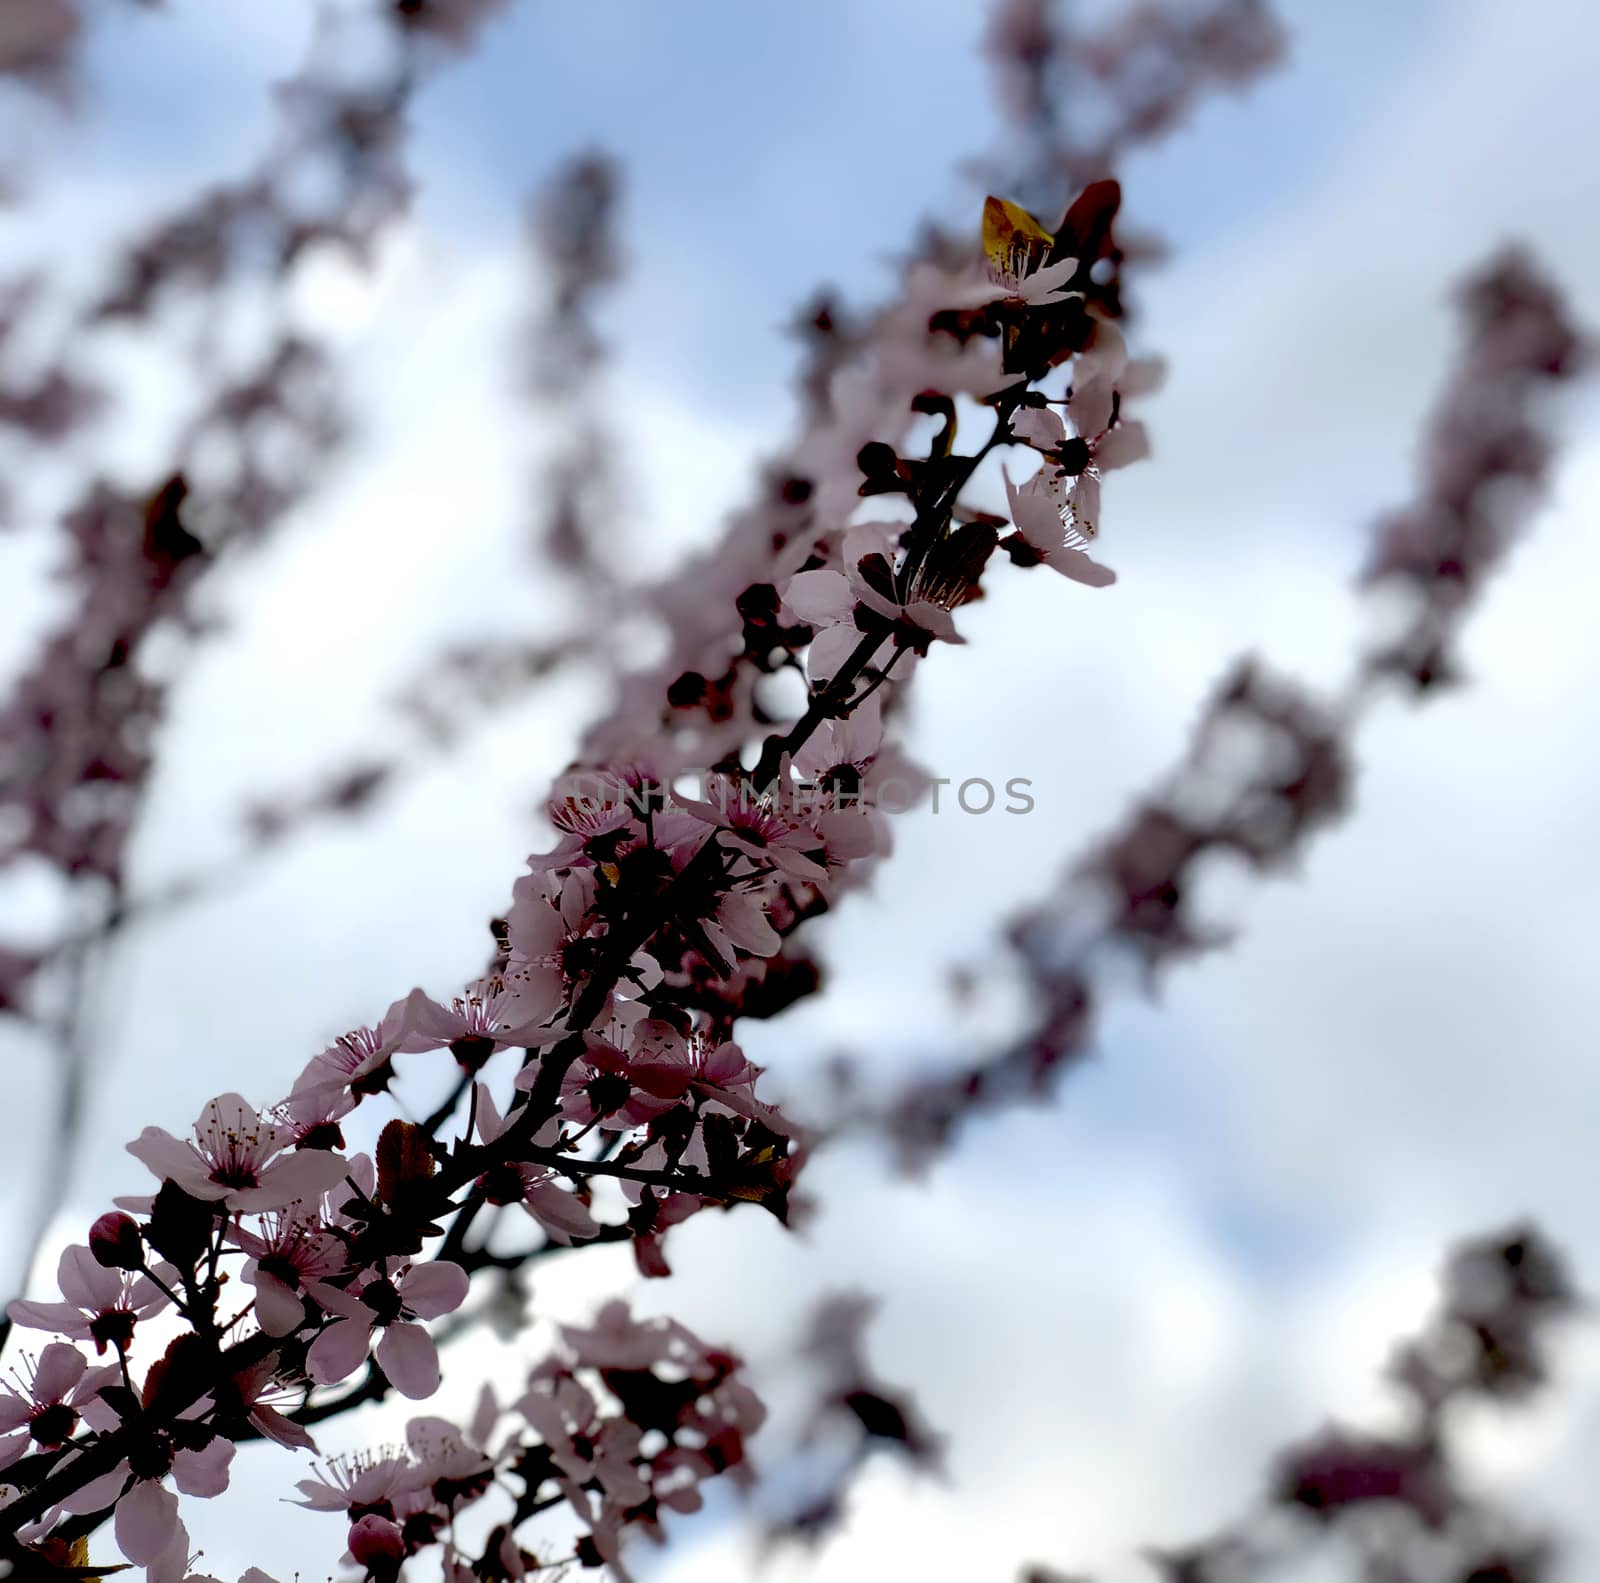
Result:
[[312, 1116], [101, 1305], [357, 1063], [115, 1242], [827, 598], [839, 766], [837, 602], [146, 1521], [239, 1159], [536, 1187], [291, 1248], [359, 1482], [616, 1340], [1037, 510], [742, 921], [556, 943], [723, 1076], [929, 288], [392, 1302], [253, 1387], [597, 1088], [585, 1445], [1102, 441], [759, 828], [619, 1090], [454, 1464], [595, 808], [853, 741], [474, 1025], [43, 1412], [1100, 372], [847, 835], [1044, 284]]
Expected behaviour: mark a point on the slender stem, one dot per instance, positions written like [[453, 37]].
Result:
[[934, 517], [166, 1291]]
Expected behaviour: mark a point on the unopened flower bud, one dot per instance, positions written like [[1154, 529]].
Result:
[[114, 1241], [376, 1543]]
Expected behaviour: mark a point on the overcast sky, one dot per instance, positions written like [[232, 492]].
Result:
[[1117, 1306]]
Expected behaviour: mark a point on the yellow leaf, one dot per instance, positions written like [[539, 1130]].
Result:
[[1013, 241], [71, 1560]]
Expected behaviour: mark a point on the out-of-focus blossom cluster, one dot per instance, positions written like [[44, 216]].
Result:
[[1081, 97], [854, 1414], [1485, 461], [1399, 1506], [1271, 764], [78, 727]]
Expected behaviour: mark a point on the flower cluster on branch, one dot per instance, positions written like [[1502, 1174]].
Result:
[[1399, 1506]]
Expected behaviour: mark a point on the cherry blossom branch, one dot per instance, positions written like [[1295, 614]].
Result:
[[354, 1260], [630, 950]]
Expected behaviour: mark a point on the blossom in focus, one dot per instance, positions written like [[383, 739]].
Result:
[[239, 1159], [360, 1482], [620, 1088], [473, 1026], [376, 1543], [290, 1248], [101, 1305], [42, 1411], [146, 1523], [536, 1187], [252, 1389], [723, 1076], [829, 600], [392, 1302], [356, 1063], [1018, 249], [1042, 515], [556, 943]]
